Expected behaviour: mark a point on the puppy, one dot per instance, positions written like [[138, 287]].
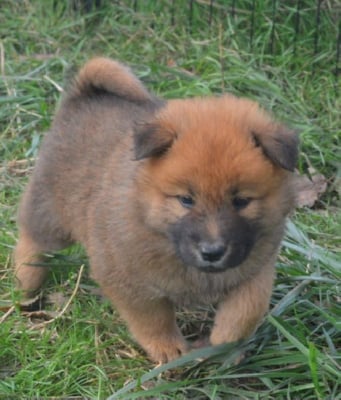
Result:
[[177, 202]]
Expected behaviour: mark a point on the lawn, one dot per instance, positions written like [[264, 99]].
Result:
[[282, 54]]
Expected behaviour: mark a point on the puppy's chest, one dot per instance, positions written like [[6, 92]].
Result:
[[192, 288]]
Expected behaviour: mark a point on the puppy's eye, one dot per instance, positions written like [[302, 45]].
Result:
[[239, 203], [186, 201]]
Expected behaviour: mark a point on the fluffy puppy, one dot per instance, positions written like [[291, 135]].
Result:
[[178, 202]]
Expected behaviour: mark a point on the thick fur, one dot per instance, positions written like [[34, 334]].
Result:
[[177, 203]]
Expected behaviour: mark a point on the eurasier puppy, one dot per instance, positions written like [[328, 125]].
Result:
[[177, 202]]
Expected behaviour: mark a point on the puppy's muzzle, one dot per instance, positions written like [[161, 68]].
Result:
[[212, 252], [212, 256]]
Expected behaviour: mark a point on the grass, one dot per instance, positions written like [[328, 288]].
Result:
[[84, 350]]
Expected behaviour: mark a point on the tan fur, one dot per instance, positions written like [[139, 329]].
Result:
[[112, 76], [28, 252], [111, 174]]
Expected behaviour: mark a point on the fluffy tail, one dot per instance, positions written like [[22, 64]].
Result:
[[104, 74]]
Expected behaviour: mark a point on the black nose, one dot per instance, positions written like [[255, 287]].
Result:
[[212, 252]]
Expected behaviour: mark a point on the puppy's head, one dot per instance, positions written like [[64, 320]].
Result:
[[215, 178]]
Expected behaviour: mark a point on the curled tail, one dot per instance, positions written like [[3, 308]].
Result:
[[104, 74]]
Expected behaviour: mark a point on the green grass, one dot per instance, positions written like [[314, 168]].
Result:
[[87, 352]]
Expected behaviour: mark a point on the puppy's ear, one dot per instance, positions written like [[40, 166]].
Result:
[[280, 145], [152, 140]]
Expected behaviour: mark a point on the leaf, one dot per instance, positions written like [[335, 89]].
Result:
[[309, 190]]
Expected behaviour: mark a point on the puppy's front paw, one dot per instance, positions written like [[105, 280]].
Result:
[[165, 349]]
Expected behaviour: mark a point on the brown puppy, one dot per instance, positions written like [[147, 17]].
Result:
[[178, 202]]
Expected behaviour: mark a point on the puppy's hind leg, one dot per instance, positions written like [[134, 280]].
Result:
[[39, 232], [28, 258], [27, 255]]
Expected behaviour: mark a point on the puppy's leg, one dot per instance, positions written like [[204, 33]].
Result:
[[29, 277], [40, 231], [153, 325], [244, 307]]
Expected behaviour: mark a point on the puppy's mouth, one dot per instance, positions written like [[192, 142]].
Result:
[[212, 269], [217, 267]]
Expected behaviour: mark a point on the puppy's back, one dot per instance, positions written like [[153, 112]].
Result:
[[94, 124]]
